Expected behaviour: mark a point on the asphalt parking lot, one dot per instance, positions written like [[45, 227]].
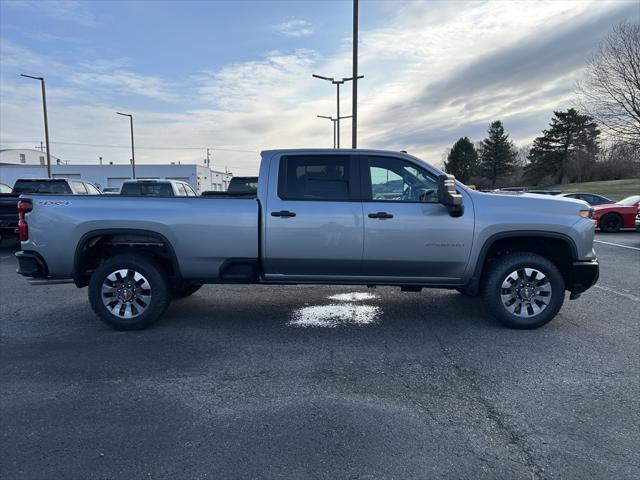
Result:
[[248, 382]]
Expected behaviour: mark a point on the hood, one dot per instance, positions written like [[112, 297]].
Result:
[[529, 202], [606, 205]]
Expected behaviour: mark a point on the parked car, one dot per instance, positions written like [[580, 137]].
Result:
[[243, 185], [591, 198], [238, 187], [363, 217], [544, 192], [638, 220], [614, 216], [526, 190], [9, 201], [157, 188]]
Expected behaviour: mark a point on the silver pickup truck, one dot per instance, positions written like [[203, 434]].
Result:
[[361, 217]]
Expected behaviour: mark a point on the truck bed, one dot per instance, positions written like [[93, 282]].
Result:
[[203, 232]]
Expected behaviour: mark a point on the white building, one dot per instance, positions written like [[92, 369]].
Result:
[[25, 156], [199, 177]]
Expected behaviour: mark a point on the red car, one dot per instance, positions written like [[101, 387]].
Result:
[[614, 216]]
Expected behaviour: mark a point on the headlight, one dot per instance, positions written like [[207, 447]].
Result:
[[586, 213]]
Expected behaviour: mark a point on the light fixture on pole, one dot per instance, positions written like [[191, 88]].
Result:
[[46, 122], [335, 127], [337, 83], [133, 154]]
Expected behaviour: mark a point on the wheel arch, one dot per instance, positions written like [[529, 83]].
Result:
[[557, 247], [610, 214], [93, 239]]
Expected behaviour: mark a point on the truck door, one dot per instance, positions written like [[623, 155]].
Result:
[[407, 232], [313, 216]]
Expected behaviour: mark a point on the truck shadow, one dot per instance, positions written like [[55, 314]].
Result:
[[316, 309]]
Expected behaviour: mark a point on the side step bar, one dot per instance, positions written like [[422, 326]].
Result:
[[50, 282]]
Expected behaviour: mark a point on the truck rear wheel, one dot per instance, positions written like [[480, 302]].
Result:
[[129, 292], [523, 290]]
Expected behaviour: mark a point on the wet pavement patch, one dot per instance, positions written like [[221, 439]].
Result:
[[338, 314]]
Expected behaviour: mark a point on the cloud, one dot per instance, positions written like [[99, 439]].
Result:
[[294, 28], [486, 61], [270, 81], [127, 83], [434, 71], [71, 11]]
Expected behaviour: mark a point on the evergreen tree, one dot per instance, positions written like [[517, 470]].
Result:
[[570, 144], [497, 155], [462, 160]]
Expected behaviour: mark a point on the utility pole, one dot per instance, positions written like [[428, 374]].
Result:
[[337, 83], [336, 133], [354, 101], [46, 122], [208, 160], [133, 154]]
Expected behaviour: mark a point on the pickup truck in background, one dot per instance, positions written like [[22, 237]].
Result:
[[157, 188], [238, 187], [9, 201], [360, 217], [243, 185]]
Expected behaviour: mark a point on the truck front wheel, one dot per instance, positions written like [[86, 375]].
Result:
[[129, 292], [523, 290]]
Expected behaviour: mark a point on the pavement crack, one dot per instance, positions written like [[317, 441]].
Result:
[[510, 434]]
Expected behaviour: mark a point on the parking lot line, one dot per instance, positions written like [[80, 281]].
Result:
[[622, 294], [617, 245]]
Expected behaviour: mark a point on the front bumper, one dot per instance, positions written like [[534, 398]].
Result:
[[583, 275], [31, 264]]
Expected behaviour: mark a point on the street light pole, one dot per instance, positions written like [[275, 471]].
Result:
[[133, 153], [337, 83], [46, 122], [336, 132], [354, 101]]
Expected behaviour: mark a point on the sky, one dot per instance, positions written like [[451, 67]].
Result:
[[236, 76]]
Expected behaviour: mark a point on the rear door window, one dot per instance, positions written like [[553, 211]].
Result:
[[318, 177]]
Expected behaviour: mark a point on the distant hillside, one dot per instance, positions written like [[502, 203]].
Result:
[[614, 189]]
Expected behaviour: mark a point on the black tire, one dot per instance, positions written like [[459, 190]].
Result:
[[183, 290], [146, 314], [611, 223], [517, 262]]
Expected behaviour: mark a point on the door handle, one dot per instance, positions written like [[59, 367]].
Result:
[[381, 215], [283, 213]]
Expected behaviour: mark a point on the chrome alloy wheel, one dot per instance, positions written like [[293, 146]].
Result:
[[526, 292], [126, 293]]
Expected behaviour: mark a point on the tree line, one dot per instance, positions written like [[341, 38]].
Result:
[[571, 149]]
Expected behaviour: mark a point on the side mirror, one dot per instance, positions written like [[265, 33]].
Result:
[[448, 195]]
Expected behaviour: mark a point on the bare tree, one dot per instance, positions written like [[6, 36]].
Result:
[[610, 93]]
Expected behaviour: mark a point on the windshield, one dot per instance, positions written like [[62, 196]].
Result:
[[627, 202]]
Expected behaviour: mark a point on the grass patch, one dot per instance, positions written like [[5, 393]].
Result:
[[613, 189]]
